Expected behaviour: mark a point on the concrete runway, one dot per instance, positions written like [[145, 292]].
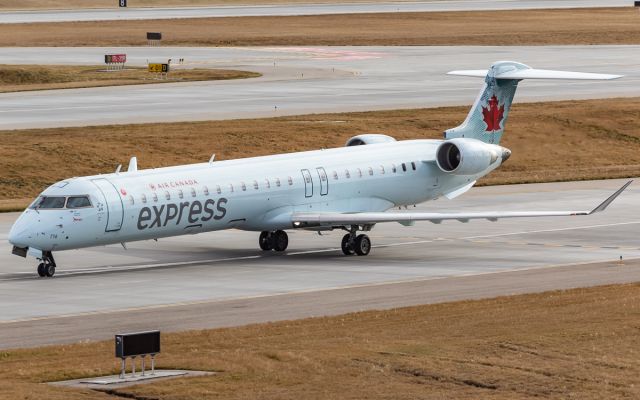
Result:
[[304, 80], [13, 17], [221, 279]]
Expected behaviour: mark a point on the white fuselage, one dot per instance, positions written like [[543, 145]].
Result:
[[258, 194]]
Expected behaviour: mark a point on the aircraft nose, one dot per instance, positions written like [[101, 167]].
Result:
[[18, 235]]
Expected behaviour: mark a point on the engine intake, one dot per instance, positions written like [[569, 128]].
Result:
[[369, 138], [464, 156]]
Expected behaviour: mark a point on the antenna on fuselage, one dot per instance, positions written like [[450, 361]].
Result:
[[118, 168], [213, 157], [133, 165]]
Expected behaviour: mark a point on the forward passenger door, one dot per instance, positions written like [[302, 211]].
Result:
[[308, 183]]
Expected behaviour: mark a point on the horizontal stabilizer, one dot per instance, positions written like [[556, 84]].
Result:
[[536, 74]]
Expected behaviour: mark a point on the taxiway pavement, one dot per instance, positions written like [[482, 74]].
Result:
[[302, 80], [222, 279], [14, 17]]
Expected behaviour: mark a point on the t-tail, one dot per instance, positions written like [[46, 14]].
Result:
[[488, 116]]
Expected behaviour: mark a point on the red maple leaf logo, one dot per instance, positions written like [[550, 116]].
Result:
[[493, 114], [124, 192]]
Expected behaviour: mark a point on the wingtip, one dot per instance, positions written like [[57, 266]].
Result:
[[602, 206]]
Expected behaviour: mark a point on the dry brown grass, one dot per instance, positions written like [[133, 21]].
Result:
[[580, 344], [76, 4], [15, 78], [553, 141], [542, 27]]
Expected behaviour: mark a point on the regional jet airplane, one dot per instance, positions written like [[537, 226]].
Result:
[[349, 188]]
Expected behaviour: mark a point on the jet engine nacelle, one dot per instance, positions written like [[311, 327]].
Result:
[[369, 138], [464, 156]]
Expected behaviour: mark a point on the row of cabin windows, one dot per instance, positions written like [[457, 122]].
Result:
[[192, 191], [256, 186], [370, 171]]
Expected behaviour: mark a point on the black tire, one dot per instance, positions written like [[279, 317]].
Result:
[[281, 241], [362, 245], [346, 248], [265, 241], [50, 270], [41, 270]]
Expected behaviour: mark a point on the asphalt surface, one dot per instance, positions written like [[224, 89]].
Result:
[[12, 17], [221, 279], [303, 80]]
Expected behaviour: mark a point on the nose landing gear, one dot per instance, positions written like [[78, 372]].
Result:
[[278, 240], [48, 265]]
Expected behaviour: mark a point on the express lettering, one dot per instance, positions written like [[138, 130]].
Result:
[[192, 212]]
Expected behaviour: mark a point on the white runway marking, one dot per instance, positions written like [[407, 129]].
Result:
[[128, 268]]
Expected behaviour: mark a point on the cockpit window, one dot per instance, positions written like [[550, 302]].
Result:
[[58, 202], [78, 202], [48, 202]]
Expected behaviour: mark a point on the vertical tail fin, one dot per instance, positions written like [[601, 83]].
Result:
[[488, 115]]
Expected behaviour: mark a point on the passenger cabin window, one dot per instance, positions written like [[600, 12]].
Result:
[[167, 195], [393, 168], [131, 200], [243, 186], [359, 173], [267, 183], [193, 192], [231, 187], [404, 167], [255, 185], [180, 194], [155, 197], [218, 189], [323, 176], [290, 181], [370, 171], [49, 202], [335, 176], [78, 202], [347, 174], [382, 169], [205, 190], [413, 165], [278, 182], [143, 198]]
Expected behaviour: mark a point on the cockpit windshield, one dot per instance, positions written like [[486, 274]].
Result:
[[78, 202], [60, 202], [49, 202]]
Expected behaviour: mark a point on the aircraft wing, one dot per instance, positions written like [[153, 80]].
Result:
[[306, 219]]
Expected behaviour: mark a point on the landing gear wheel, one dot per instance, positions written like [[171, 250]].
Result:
[[281, 241], [266, 241], [41, 270], [347, 248], [362, 245], [48, 265]]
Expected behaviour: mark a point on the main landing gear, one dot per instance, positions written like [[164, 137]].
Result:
[[278, 240], [354, 243], [48, 265]]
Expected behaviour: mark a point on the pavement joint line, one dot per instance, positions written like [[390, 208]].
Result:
[[306, 291], [552, 230]]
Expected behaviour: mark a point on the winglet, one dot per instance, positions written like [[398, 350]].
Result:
[[610, 199]]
